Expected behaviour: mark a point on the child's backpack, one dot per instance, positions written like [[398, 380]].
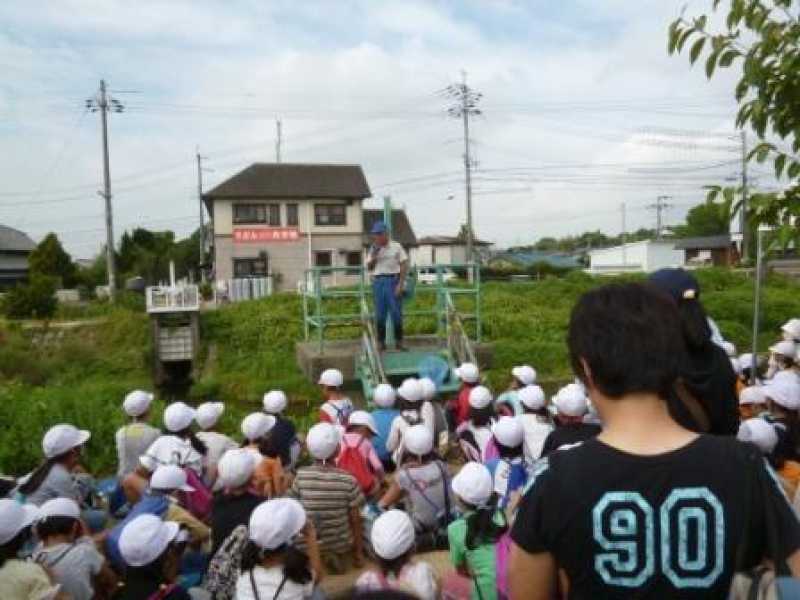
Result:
[[502, 555], [340, 415], [200, 501], [351, 460], [224, 568], [149, 505], [517, 478]]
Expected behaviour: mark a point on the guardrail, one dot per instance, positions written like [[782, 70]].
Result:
[[163, 299]]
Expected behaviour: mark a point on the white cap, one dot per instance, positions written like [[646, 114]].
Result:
[[275, 522], [137, 403], [729, 347], [256, 425], [508, 432], [473, 484], [531, 396], [428, 386], [468, 373], [571, 400], [236, 467], [364, 419], [525, 374], [792, 327], [178, 416], [323, 441], [746, 360], [14, 517], [480, 397], [410, 390], [62, 438], [208, 414], [383, 395], [60, 507], [168, 478], [785, 348], [145, 538], [331, 378], [785, 393], [275, 402], [759, 432], [418, 440], [736, 365], [392, 534], [752, 395]]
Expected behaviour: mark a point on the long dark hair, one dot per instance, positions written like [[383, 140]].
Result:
[[539, 412], [481, 417], [481, 526], [508, 452], [694, 324], [395, 565], [41, 472], [10, 550], [296, 564], [188, 434], [268, 447]]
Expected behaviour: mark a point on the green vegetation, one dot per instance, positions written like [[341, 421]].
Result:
[[35, 299], [81, 374]]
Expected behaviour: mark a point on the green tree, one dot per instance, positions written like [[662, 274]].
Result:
[[35, 299], [709, 218], [50, 259], [762, 39]]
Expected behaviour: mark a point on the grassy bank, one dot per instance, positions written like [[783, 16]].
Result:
[[80, 375]]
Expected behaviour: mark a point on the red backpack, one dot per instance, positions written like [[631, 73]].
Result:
[[198, 502], [351, 460]]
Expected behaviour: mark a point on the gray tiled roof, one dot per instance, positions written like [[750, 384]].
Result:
[[14, 240], [704, 243]]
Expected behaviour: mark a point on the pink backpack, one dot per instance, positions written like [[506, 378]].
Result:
[[199, 501], [502, 552]]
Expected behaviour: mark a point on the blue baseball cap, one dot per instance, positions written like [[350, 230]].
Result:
[[378, 227], [677, 283]]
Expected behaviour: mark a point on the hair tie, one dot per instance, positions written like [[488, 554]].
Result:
[[689, 294]]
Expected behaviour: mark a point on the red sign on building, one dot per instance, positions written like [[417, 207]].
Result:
[[273, 234]]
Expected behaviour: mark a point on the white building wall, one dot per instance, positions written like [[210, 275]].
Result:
[[662, 255], [647, 256]]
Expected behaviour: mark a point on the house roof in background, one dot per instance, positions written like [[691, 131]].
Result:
[[292, 180], [13, 240], [401, 226], [531, 257], [449, 240], [710, 242]]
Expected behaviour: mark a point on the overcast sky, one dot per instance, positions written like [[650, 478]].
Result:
[[582, 109]]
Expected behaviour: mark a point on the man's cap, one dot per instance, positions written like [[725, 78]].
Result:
[[392, 534], [275, 402], [178, 417], [14, 517], [145, 538], [256, 425], [275, 523], [759, 432], [378, 227], [571, 400], [418, 440], [531, 396], [137, 403], [752, 395], [60, 507], [323, 441], [428, 386], [525, 374], [473, 484], [62, 438], [363, 419], [678, 283], [383, 395], [236, 468], [331, 378], [208, 414], [167, 478], [468, 373], [480, 397], [410, 390], [508, 432]]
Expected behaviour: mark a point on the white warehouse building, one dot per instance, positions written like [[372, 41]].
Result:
[[636, 257]]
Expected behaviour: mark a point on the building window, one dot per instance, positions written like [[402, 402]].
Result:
[[249, 213], [354, 259], [323, 258], [274, 215], [291, 215], [249, 267], [330, 214]]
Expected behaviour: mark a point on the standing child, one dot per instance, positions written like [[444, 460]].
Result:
[[409, 396], [134, 439], [358, 457], [572, 404], [473, 538], [268, 477], [535, 420], [509, 470], [217, 444], [384, 415], [475, 434], [336, 407], [235, 502], [508, 403], [433, 414], [392, 538], [332, 499], [283, 436], [458, 409]]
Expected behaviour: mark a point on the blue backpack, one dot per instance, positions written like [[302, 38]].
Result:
[[517, 478], [149, 505]]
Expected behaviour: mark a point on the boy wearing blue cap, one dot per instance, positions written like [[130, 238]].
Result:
[[388, 263]]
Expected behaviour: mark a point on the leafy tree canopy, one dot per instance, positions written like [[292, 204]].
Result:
[[51, 260]]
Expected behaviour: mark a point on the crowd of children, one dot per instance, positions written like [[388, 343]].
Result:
[[195, 513]]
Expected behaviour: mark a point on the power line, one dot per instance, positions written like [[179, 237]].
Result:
[[660, 207]]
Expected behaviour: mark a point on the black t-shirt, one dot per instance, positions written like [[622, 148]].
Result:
[[565, 435], [228, 513], [666, 526]]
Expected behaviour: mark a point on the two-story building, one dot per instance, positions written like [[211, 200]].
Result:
[[277, 219], [15, 246]]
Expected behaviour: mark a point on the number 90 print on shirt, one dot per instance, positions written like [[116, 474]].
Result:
[[685, 535]]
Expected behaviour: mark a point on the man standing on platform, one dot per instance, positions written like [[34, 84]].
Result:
[[388, 263]]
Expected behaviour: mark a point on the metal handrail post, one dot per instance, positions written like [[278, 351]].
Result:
[[478, 326], [318, 297]]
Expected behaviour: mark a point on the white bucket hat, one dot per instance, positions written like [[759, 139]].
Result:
[[276, 522], [410, 390], [392, 534], [571, 400], [508, 432], [428, 386], [468, 373], [363, 419], [525, 374], [236, 467], [275, 402], [256, 425], [418, 440], [384, 395], [784, 393], [792, 328], [759, 432], [323, 441], [531, 396], [60, 507], [145, 538], [331, 378], [208, 414], [752, 395], [178, 416], [168, 478], [137, 403], [785, 348], [14, 517], [480, 397], [62, 438], [473, 484]]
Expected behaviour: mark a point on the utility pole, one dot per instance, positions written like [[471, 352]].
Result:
[[104, 103], [278, 141], [660, 206], [466, 105], [624, 236], [745, 199], [200, 206]]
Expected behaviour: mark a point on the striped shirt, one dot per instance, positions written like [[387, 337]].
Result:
[[328, 494]]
